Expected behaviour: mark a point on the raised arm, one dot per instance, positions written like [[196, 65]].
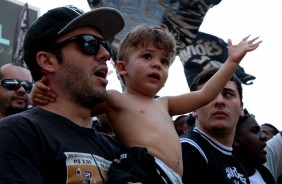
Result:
[[235, 54], [190, 101]]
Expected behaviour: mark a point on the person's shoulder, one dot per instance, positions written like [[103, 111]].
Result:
[[18, 124], [193, 154], [275, 140], [191, 141], [15, 118], [113, 92], [184, 136], [28, 118], [114, 95], [193, 135]]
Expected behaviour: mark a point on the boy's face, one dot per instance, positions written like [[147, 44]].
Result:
[[146, 69]]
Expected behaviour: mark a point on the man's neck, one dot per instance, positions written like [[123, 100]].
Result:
[[75, 113], [223, 137]]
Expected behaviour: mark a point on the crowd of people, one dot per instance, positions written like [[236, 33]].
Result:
[[134, 139]]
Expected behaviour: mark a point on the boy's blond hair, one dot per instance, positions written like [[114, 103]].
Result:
[[144, 35]]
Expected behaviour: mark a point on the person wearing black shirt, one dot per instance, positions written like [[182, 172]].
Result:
[[56, 143], [207, 150]]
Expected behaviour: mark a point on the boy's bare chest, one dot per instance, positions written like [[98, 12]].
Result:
[[146, 107]]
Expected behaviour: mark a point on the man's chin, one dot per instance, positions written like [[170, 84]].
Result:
[[15, 110]]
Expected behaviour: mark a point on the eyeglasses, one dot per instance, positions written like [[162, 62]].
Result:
[[90, 43], [15, 84]]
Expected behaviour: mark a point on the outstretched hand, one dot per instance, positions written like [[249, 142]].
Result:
[[42, 94], [237, 52]]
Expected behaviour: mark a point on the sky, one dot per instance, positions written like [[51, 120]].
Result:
[[234, 20]]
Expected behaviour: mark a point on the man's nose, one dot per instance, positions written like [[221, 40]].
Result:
[[21, 90], [103, 54], [219, 100]]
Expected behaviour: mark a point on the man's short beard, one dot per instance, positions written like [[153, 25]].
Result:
[[88, 97], [77, 85]]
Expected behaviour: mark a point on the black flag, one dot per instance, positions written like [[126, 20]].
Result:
[[181, 17], [21, 29], [208, 51]]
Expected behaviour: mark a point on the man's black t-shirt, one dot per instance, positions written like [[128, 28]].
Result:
[[37, 146], [207, 161]]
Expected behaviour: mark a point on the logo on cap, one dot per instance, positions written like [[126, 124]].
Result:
[[75, 9]]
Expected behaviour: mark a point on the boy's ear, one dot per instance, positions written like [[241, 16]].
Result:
[[121, 67], [47, 61]]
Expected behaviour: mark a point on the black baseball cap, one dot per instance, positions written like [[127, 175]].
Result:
[[43, 33]]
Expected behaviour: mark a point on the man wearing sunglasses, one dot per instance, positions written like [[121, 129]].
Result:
[[15, 86], [56, 143]]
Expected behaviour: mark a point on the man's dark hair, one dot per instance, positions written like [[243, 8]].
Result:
[[191, 120], [274, 129], [206, 74], [179, 118], [243, 118]]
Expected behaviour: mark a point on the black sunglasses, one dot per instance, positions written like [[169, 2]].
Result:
[[15, 84], [90, 43]]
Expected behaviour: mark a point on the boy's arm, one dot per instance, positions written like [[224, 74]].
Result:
[[235, 54], [190, 101], [113, 101]]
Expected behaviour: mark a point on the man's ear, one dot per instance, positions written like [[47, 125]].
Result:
[[121, 67], [242, 109], [47, 61]]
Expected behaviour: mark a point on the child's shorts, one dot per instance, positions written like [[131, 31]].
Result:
[[137, 165]]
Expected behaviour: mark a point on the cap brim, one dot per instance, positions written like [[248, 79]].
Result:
[[108, 21]]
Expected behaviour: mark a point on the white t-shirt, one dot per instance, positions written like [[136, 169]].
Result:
[[274, 156], [256, 178]]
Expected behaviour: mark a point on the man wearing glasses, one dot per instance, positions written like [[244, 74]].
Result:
[[15, 86], [56, 143]]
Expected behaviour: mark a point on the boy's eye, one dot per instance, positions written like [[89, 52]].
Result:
[[147, 56], [165, 62]]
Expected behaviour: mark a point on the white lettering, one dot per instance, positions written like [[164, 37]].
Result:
[[232, 173], [207, 48]]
